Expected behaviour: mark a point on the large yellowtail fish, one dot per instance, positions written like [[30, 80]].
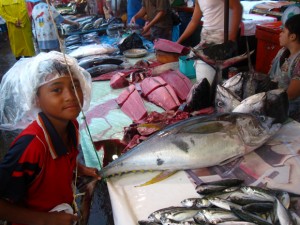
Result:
[[196, 142]]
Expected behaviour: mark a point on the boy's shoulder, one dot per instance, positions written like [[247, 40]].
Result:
[[31, 132]]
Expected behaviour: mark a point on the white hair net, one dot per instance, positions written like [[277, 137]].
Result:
[[20, 84]]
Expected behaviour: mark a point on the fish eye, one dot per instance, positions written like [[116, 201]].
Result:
[[262, 118], [220, 104]]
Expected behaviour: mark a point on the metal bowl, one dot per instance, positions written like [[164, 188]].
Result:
[[135, 53]]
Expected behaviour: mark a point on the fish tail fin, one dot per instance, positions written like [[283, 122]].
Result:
[[161, 176]]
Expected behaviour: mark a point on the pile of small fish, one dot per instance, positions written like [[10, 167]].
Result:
[[228, 202], [87, 23]]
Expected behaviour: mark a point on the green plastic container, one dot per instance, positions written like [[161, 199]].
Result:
[[187, 67]]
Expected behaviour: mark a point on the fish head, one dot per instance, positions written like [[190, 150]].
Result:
[[225, 100], [254, 130], [198, 97], [235, 84], [277, 105], [255, 104]]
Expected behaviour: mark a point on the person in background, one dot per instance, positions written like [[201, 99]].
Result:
[[212, 14], [116, 8], [19, 27], [212, 32], [3, 28], [285, 69], [133, 6], [44, 27], [159, 20], [37, 173], [92, 7]]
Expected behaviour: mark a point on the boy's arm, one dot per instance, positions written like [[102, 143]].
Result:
[[16, 214], [87, 171]]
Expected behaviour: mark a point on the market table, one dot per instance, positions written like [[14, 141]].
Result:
[[276, 164]]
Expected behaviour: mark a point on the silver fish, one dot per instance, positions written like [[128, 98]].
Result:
[[235, 84], [181, 214], [226, 100], [283, 214], [156, 215], [223, 204], [295, 217], [245, 198], [172, 222], [253, 104], [177, 147], [249, 217], [204, 189], [258, 192], [258, 207], [215, 215], [193, 202]]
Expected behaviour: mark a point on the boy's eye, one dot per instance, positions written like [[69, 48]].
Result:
[[56, 90]]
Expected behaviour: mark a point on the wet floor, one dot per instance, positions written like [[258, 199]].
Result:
[[7, 59]]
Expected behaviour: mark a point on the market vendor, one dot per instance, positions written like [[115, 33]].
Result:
[[133, 6], [285, 69], [212, 32], [36, 175], [44, 27], [159, 20], [213, 21]]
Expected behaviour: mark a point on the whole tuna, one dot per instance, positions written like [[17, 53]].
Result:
[[196, 142]]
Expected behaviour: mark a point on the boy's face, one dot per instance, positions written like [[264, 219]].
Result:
[[58, 101]]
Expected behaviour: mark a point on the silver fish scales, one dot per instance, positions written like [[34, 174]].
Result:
[[196, 142]]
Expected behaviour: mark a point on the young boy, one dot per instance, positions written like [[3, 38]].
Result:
[[36, 174], [286, 65]]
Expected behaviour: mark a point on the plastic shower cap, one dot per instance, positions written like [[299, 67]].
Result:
[[20, 84]]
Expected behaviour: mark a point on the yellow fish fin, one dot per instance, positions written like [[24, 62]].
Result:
[[161, 176]]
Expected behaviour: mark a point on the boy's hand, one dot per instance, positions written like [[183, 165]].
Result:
[[61, 218], [88, 171]]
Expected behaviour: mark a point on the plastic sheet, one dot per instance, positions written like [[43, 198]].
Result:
[[20, 84]]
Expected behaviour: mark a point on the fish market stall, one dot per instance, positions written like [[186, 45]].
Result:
[[275, 165]]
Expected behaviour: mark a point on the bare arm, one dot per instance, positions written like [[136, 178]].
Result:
[[157, 17], [70, 22], [87, 171], [237, 12], [140, 14], [293, 90], [17, 214], [193, 24]]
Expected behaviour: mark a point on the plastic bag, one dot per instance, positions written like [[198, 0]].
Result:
[[132, 41], [20, 84]]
